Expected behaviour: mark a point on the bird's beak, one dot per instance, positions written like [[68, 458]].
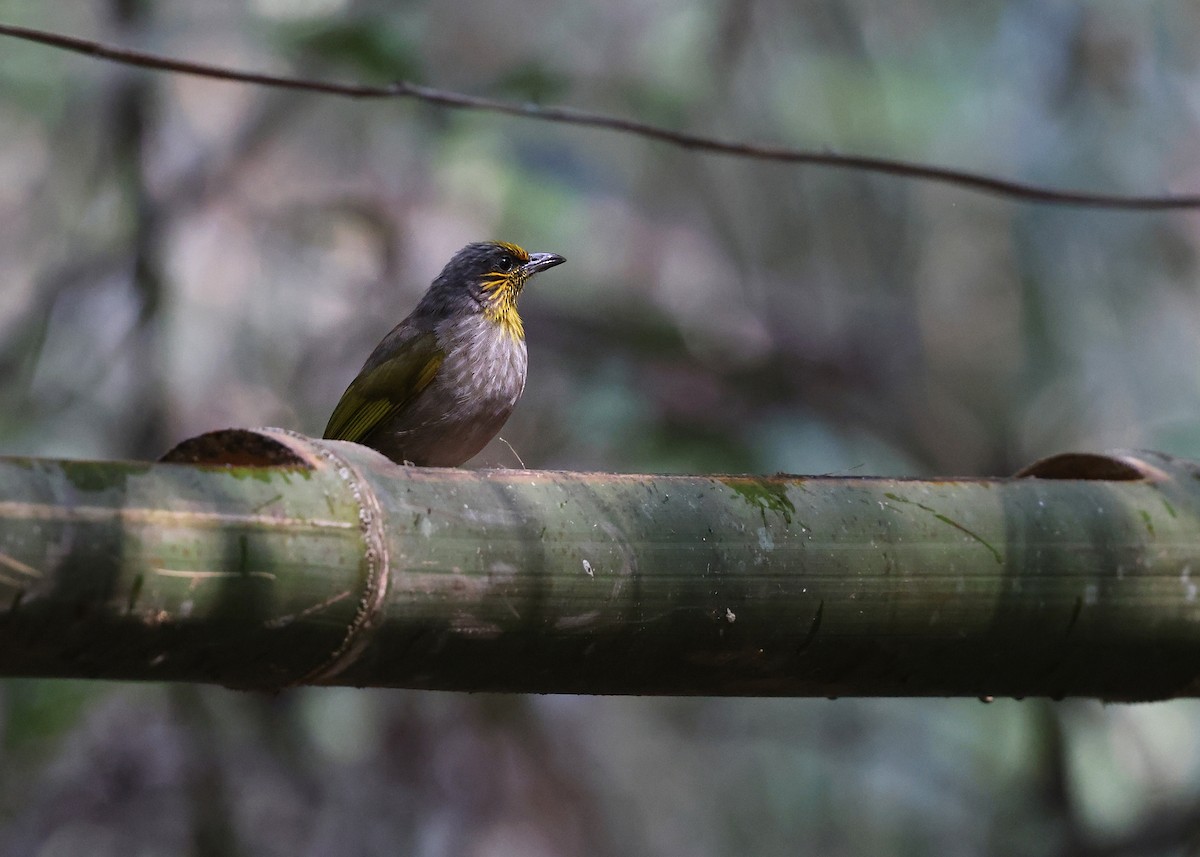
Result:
[[540, 262]]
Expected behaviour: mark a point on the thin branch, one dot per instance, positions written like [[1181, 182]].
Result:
[[977, 182]]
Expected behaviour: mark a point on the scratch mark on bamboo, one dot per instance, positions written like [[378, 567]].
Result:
[[202, 575], [281, 621], [945, 519], [16, 582], [18, 566], [570, 623], [1074, 616], [265, 503], [509, 605], [812, 629]]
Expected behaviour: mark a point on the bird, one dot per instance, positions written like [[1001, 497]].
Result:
[[442, 383]]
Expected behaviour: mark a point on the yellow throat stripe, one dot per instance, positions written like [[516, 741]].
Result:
[[502, 291]]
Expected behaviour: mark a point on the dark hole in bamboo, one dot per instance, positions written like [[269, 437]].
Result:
[[1088, 465], [234, 447]]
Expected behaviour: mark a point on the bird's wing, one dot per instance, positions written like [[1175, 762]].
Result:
[[384, 389]]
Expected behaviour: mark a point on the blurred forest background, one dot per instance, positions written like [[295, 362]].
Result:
[[181, 255]]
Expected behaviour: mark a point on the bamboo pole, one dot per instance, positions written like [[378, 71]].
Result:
[[263, 559]]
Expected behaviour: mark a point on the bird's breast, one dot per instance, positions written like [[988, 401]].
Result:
[[484, 365]]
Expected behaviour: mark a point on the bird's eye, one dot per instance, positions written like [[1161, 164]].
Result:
[[505, 264]]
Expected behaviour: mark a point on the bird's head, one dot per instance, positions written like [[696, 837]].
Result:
[[487, 277]]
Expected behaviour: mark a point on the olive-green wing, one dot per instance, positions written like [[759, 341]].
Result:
[[384, 388]]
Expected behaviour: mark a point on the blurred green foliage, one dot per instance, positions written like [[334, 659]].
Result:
[[371, 48]]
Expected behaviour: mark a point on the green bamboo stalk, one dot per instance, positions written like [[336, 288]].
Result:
[[266, 559]]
